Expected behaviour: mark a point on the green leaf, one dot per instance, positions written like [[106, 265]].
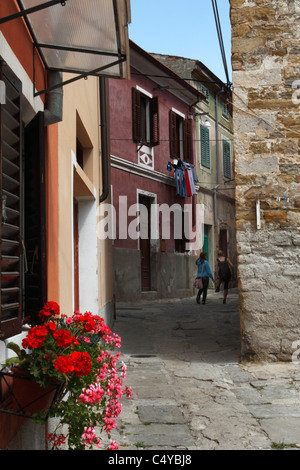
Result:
[[14, 347], [10, 361]]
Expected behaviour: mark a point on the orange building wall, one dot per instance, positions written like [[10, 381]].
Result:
[[52, 212], [19, 39]]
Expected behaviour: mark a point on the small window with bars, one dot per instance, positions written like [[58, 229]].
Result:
[[225, 111], [205, 92]]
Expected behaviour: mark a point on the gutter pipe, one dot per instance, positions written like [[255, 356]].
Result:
[[104, 138], [53, 111], [217, 157]]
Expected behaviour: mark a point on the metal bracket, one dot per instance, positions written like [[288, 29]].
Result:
[[22, 13], [71, 80]]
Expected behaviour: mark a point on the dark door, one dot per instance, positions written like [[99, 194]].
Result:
[[223, 241], [35, 216], [145, 244]]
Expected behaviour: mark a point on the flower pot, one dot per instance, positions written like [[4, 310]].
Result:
[[5, 386], [23, 398]]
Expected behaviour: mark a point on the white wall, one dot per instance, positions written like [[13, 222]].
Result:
[[88, 265]]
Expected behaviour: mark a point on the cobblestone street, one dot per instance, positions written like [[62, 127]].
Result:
[[189, 390]]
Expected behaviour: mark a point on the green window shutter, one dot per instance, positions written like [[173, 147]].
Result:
[[205, 148], [226, 159]]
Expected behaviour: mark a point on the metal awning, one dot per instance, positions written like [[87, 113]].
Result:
[[86, 37]]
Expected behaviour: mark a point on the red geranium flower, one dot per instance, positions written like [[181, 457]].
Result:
[[64, 364], [87, 321], [64, 338], [82, 363], [50, 309], [51, 326], [35, 338]]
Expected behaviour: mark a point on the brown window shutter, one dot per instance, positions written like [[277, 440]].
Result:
[[11, 266], [172, 126], [154, 122], [188, 141], [136, 115]]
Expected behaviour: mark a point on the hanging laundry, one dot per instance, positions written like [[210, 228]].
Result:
[[191, 176], [185, 178], [187, 182], [195, 177], [180, 182]]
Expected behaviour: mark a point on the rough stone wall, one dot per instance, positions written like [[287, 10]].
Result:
[[266, 99], [172, 275]]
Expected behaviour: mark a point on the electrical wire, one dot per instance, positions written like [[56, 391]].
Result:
[[167, 140], [220, 37], [251, 112], [178, 79]]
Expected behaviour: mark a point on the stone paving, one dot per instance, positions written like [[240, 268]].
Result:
[[190, 390]]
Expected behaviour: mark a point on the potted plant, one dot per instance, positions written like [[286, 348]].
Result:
[[79, 354]]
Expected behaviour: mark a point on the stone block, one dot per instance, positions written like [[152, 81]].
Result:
[[258, 165], [282, 238], [247, 45], [274, 215]]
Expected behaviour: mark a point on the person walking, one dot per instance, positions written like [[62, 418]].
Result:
[[224, 272], [204, 273]]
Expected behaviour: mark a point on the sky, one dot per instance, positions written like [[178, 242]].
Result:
[[185, 28]]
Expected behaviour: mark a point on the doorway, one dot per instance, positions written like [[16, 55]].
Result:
[[223, 241], [145, 244]]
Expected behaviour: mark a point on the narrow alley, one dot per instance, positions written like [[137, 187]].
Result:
[[189, 390]]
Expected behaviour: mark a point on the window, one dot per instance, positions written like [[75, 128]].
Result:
[[226, 159], [180, 243], [205, 92], [35, 217], [84, 148], [145, 118], [225, 111], [181, 144], [205, 147]]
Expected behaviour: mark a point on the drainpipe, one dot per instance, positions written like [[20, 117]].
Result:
[[53, 111], [104, 138], [217, 135], [217, 157], [215, 204]]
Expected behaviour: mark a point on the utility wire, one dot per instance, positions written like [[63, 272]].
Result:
[[128, 139], [251, 112], [220, 37], [179, 79]]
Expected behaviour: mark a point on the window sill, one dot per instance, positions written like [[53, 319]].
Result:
[[17, 339], [83, 186]]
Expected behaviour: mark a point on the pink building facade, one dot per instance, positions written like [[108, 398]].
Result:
[[151, 130]]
